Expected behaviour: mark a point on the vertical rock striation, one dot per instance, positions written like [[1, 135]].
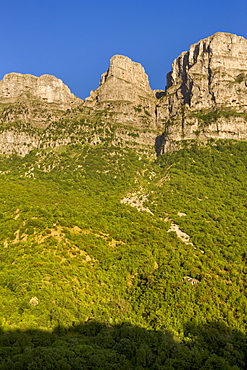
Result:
[[125, 93], [207, 90], [206, 97]]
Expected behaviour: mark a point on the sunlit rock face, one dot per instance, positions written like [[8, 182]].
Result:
[[37, 101], [124, 80], [46, 87], [125, 93], [211, 76], [205, 97], [212, 73]]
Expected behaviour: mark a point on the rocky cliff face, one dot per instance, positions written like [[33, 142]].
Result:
[[207, 90], [46, 87], [206, 97], [34, 100], [126, 101], [120, 111], [125, 80], [125, 93]]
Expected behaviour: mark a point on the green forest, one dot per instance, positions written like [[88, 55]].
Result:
[[113, 259]]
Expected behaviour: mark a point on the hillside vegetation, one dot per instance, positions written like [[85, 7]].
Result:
[[110, 260]]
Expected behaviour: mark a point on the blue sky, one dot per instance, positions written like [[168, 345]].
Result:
[[74, 39]]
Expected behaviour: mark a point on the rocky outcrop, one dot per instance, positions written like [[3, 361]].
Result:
[[34, 100], [46, 87], [125, 80], [206, 97], [125, 93], [18, 142], [206, 92], [213, 73]]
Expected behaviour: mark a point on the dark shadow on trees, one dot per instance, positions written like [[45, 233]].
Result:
[[93, 345]]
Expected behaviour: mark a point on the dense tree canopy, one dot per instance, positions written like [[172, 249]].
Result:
[[95, 268]]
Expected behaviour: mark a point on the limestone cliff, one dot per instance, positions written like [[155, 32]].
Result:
[[46, 87], [206, 97], [120, 111], [34, 100], [206, 92], [125, 93]]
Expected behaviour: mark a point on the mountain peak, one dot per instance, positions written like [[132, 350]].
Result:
[[206, 96], [124, 89], [46, 87]]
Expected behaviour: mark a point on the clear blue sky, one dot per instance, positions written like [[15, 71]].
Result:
[[74, 39]]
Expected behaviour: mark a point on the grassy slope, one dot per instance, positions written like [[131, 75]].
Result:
[[68, 240]]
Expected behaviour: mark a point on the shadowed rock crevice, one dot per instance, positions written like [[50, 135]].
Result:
[[160, 142]]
